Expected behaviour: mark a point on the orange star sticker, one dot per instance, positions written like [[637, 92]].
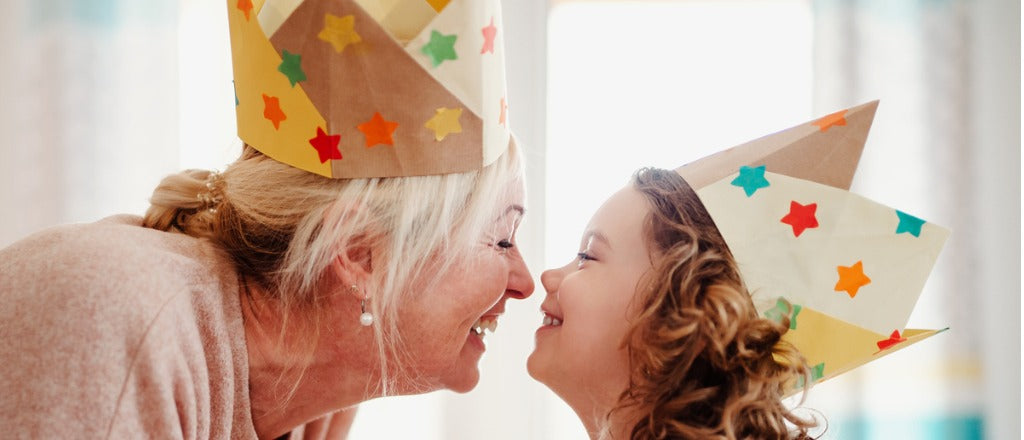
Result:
[[837, 118], [378, 131], [445, 122], [490, 31], [851, 279], [504, 112], [246, 7], [272, 110]]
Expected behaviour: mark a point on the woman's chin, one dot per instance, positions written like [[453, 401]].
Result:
[[463, 381]]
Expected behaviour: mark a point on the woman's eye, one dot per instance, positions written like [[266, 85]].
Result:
[[506, 244]]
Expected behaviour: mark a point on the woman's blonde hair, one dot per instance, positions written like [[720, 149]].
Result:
[[703, 364], [283, 227]]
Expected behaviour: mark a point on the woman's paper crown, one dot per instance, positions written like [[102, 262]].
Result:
[[371, 88], [847, 271]]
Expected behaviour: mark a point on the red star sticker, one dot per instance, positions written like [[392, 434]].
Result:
[[326, 145], [489, 32], [246, 7], [272, 110], [894, 339], [851, 279], [504, 112], [801, 217], [837, 118], [378, 131]]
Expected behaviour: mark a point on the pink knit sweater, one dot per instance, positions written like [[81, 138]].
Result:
[[111, 330]]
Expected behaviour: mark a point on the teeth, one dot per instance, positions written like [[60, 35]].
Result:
[[487, 323], [551, 320]]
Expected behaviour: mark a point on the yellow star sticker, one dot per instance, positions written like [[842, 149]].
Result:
[[339, 31], [445, 122]]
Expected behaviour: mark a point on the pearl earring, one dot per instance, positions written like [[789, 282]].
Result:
[[366, 318]]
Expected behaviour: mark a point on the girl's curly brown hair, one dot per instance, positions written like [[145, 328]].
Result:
[[703, 364]]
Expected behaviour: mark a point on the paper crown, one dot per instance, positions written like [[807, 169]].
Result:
[[371, 88], [847, 271]]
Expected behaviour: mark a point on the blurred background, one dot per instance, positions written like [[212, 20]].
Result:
[[99, 99]]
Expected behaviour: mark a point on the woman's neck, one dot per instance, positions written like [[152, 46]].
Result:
[[283, 395]]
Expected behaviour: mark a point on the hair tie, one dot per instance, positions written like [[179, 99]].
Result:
[[212, 196]]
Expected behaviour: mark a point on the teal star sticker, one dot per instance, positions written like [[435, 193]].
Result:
[[751, 179], [291, 67], [235, 88], [909, 224], [440, 48], [781, 309]]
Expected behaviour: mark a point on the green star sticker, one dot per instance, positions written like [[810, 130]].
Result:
[[291, 67], [784, 309], [817, 372], [440, 48]]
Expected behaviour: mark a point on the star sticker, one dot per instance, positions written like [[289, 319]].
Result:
[[440, 48], [784, 309], [234, 88], [245, 6], [326, 145], [502, 118], [817, 372], [339, 31], [894, 339], [445, 122], [801, 217], [837, 118], [438, 5], [909, 224], [290, 67], [378, 131], [852, 278], [489, 32], [272, 110], [751, 179]]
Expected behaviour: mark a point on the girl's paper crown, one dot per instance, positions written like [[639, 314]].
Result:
[[847, 271], [371, 88]]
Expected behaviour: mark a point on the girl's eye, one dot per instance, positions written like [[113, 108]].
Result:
[[583, 258]]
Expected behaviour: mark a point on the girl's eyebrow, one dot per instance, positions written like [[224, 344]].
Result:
[[596, 235]]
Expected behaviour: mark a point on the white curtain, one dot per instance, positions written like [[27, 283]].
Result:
[[88, 109], [946, 141]]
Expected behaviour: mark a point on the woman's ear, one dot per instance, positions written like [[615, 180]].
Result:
[[353, 264]]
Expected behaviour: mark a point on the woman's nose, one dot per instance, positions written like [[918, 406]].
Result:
[[520, 282]]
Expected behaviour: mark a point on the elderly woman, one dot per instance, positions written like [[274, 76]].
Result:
[[351, 252]]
